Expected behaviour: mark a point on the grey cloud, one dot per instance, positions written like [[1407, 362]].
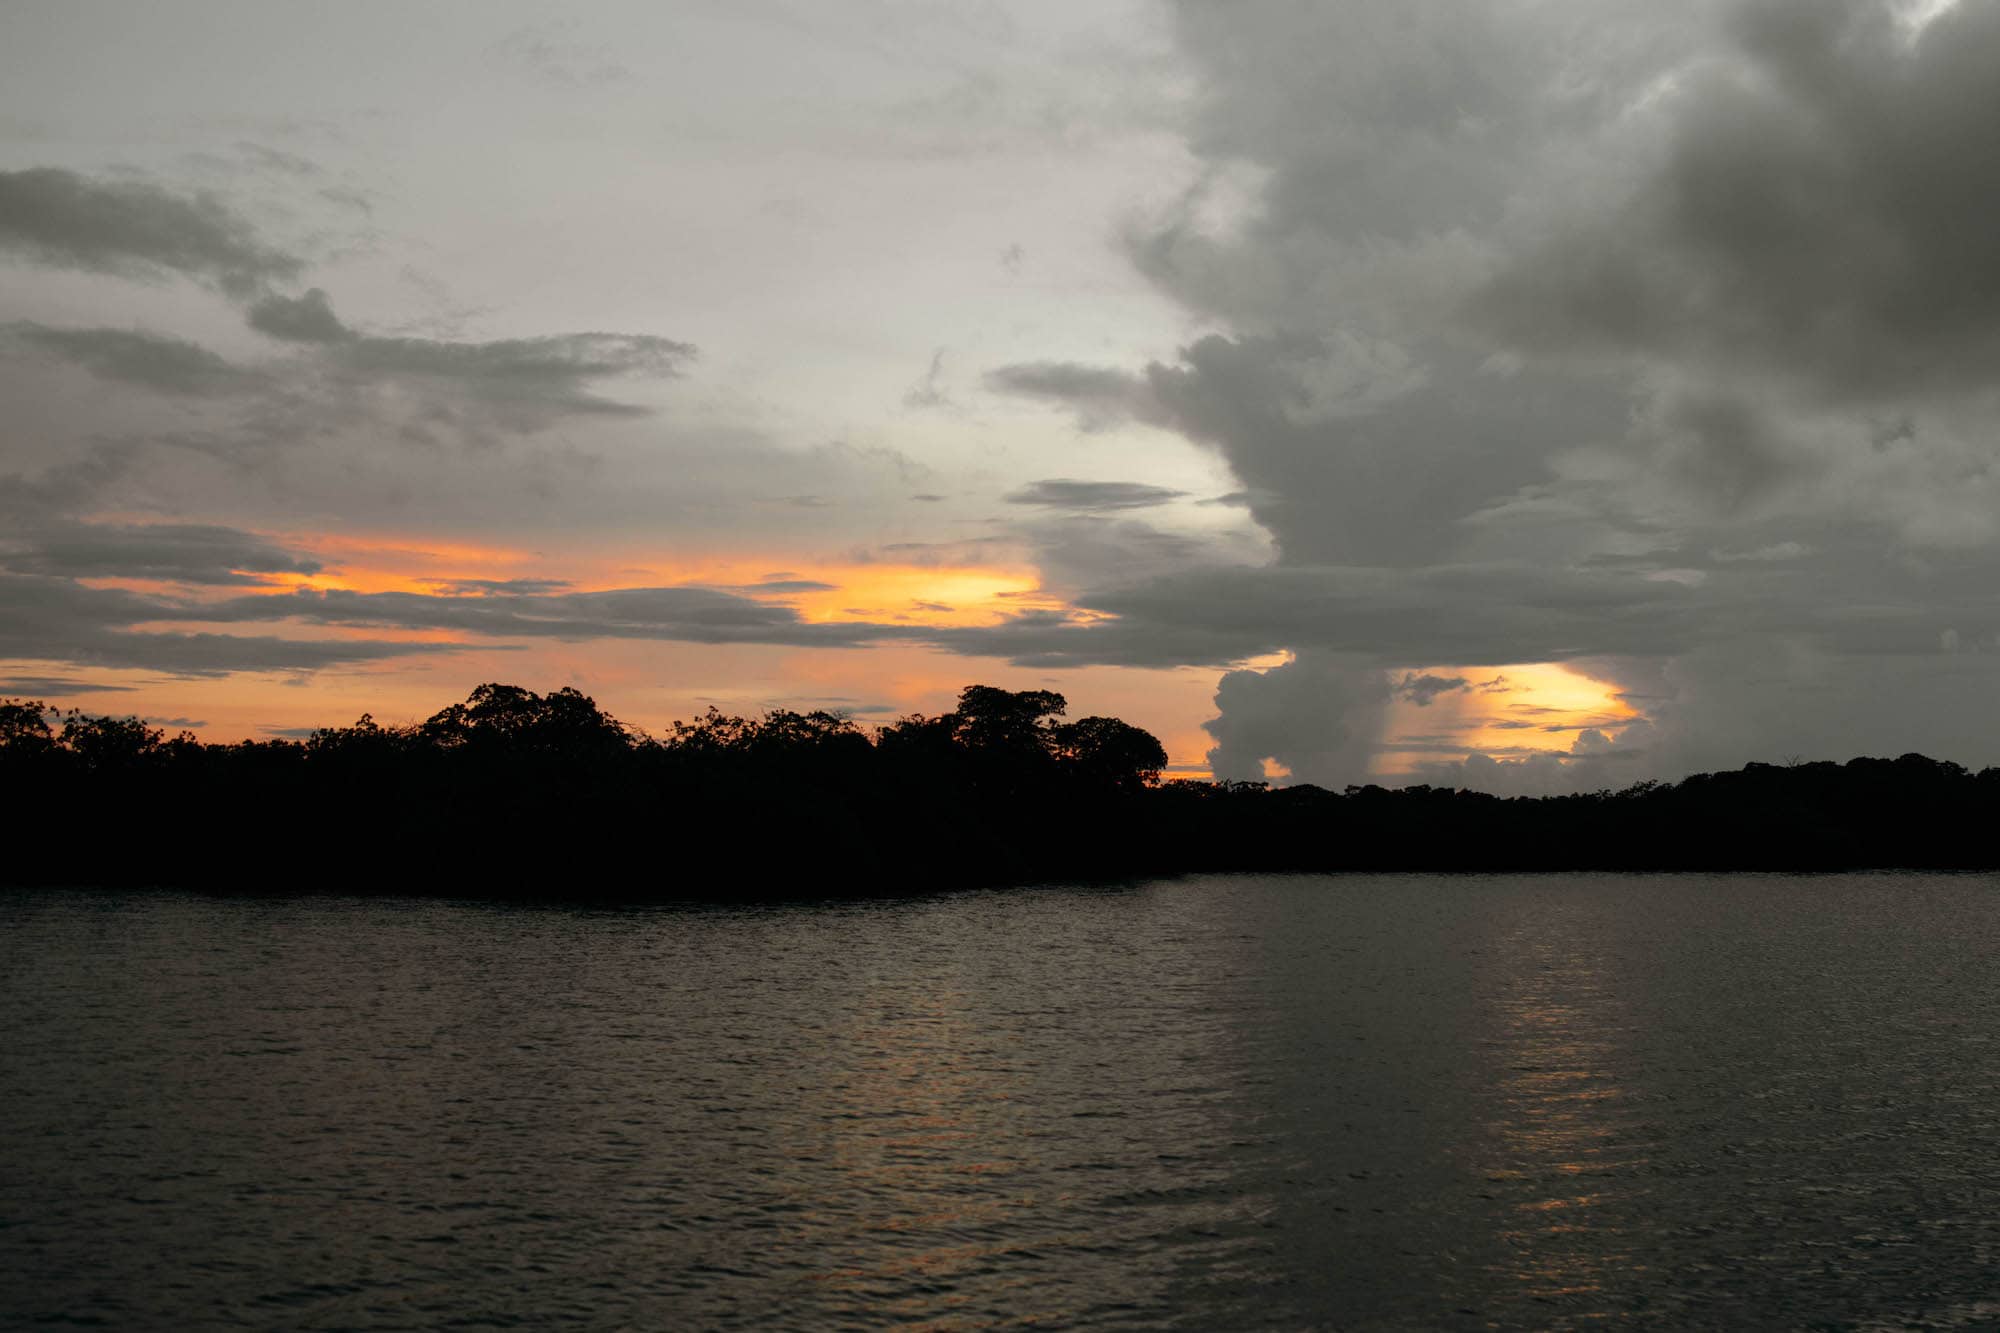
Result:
[[1100, 397], [1319, 715], [550, 53], [171, 552], [536, 375], [131, 356], [1092, 496], [1812, 215], [1338, 468], [307, 319], [266, 158], [1494, 613], [785, 585], [684, 614], [516, 385], [1087, 553], [1422, 690], [58, 218], [930, 391], [48, 619], [476, 586], [57, 687]]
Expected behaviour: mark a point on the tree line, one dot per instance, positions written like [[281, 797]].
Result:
[[515, 793]]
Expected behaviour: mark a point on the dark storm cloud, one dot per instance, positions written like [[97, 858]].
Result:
[[1470, 614], [130, 356], [1092, 496], [1822, 212], [61, 219], [1623, 334], [1343, 458]]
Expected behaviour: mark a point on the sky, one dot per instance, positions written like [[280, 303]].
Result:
[[1531, 396]]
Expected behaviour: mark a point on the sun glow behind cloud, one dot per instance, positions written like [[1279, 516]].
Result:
[[820, 592], [1509, 712]]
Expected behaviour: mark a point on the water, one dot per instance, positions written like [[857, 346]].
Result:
[[1232, 1102]]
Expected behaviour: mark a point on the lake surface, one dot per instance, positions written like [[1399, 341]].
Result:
[[1420, 1102]]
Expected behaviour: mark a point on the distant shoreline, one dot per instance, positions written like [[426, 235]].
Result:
[[514, 794]]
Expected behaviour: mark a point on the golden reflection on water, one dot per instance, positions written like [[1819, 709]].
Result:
[[1564, 1145]]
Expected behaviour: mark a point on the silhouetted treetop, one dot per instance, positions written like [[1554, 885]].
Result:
[[506, 717], [515, 787]]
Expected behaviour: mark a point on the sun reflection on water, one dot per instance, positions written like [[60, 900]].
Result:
[[1565, 1146]]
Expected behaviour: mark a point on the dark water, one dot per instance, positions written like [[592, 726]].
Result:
[[1400, 1102]]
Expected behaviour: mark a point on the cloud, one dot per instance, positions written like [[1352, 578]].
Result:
[[58, 218], [1421, 690], [550, 53], [681, 613], [1100, 397], [1319, 715], [546, 374], [1808, 214], [930, 391], [464, 587], [131, 356], [541, 376], [55, 217], [56, 687], [48, 619], [1092, 496], [307, 318], [172, 552], [785, 586]]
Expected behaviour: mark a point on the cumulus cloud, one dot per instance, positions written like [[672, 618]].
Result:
[[1811, 212], [1564, 332], [1319, 715]]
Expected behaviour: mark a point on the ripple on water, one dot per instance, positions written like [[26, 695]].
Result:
[[1234, 1102]]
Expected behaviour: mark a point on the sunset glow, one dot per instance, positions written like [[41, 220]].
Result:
[[1507, 712]]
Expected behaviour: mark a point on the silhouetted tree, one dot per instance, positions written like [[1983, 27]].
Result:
[[508, 719], [514, 791], [25, 732], [1108, 752], [108, 744]]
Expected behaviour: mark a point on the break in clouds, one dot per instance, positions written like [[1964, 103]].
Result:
[[1658, 341]]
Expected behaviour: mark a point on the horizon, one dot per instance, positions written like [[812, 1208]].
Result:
[[1544, 399]]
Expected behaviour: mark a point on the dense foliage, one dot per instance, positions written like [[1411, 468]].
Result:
[[515, 792]]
